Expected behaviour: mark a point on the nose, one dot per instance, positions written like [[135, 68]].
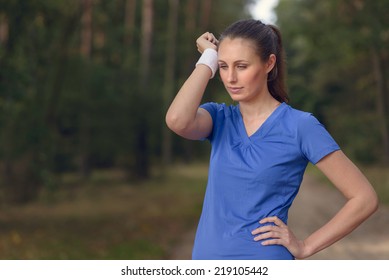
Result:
[[231, 77]]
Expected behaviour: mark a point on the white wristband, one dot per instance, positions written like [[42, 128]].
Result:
[[209, 58]]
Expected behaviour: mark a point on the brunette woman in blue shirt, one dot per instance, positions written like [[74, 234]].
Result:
[[260, 149]]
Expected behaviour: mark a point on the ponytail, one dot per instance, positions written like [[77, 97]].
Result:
[[276, 77]]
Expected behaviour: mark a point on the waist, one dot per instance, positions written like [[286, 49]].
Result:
[[238, 247]]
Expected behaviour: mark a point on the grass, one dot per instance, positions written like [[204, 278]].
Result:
[[106, 218], [109, 218]]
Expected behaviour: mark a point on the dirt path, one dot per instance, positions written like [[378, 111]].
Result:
[[314, 205]]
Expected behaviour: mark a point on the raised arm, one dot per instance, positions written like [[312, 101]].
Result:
[[184, 116]]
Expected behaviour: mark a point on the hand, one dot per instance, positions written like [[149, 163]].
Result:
[[279, 234], [206, 41]]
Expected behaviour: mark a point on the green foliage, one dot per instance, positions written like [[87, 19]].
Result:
[[62, 110], [331, 46]]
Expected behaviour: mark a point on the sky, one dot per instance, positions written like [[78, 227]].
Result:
[[263, 10]]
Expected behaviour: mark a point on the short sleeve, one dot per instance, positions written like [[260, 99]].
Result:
[[315, 141], [212, 109]]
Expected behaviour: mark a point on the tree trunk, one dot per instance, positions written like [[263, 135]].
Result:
[[85, 51], [141, 149], [382, 103], [190, 17], [3, 29], [170, 62], [147, 35], [192, 11], [86, 28], [206, 8], [129, 22], [7, 165]]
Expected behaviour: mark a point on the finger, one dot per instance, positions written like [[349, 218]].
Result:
[[264, 229], [205, 35], [210, 36], [268, 235], [277, 221], [275, 241], [213, 39]]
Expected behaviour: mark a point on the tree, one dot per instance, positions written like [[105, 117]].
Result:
[[169, 81], [129, 24], [85, 52], [82, 85], [337, 58], [141, 149]]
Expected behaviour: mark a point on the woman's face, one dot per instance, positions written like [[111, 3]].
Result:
[[242, 71]]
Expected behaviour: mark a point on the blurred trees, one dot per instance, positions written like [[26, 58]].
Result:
[[338, 63], [85, 84]]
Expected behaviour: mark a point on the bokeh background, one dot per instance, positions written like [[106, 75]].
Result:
[[88, 169]]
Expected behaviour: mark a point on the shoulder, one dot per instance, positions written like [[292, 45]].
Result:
[[296, 114], [303, 125], [314, 140], [219, 109], [296, 119]]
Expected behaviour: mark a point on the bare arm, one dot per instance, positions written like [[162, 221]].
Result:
[[184, 116], [361, 202]]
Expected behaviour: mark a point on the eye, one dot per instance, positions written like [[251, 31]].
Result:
[[223, 66], [241, 66]]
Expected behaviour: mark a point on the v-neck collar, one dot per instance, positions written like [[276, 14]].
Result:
[[264, 128]]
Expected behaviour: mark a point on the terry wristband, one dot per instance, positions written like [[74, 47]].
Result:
[[209, 58]]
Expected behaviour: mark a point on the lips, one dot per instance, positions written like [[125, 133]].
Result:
[[234, 90]]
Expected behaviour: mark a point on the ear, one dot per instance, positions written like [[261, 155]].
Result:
[[270, 63]]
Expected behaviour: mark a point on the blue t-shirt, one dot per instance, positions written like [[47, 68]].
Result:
[[254, 177]]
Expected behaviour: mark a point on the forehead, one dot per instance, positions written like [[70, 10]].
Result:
[[236, 49]]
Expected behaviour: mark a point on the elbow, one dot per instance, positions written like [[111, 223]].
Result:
[[175, 123], [375, 203], [371, 203]]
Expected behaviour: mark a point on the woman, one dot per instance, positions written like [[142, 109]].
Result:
[[260, 149]]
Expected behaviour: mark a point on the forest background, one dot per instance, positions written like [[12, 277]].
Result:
[[85, 84]]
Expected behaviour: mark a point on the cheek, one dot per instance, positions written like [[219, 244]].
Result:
[[255, 79]]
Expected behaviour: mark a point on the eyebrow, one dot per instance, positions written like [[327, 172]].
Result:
[[237, 61]]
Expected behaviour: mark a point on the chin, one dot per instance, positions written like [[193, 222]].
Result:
[[236, 98]]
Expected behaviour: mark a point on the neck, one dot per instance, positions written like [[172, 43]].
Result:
[[263, 105]]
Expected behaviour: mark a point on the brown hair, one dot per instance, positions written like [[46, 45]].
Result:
[[267, 40]]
